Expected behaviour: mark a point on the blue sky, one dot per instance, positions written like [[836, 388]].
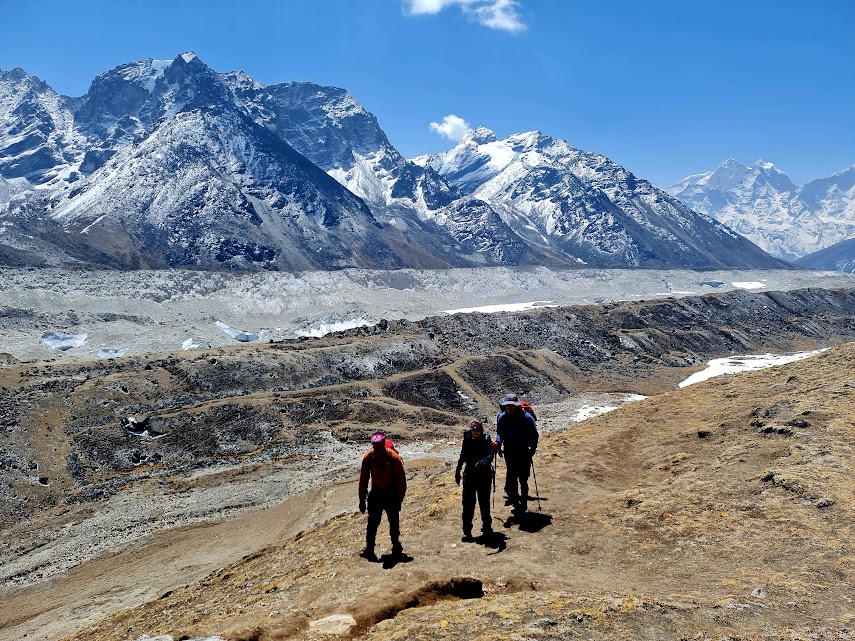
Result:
[[666, 88]]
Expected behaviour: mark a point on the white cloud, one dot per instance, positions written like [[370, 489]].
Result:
[[452, 127], [495, 14]]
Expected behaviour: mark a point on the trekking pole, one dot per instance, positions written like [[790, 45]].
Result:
[[494, 485], [535, 484]]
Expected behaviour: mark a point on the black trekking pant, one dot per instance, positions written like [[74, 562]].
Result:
[[380, 501], [476, 486], [518, 466]]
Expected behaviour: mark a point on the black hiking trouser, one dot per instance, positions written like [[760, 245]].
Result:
[[380, 501], [518, 466], [476, 486]]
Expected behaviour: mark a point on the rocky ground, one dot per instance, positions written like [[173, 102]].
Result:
[[127, 478]]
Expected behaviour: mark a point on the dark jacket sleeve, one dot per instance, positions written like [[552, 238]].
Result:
[[500, 428], [364, 475], [533, 435], [462, 458], [487, 458]]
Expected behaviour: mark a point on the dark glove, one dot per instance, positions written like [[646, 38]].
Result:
[[481, 463], [532, 450], [362, 505], [499, 451], [457, 476]]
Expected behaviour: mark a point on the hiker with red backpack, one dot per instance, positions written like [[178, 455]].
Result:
[[517, 436], [384, 467], [476, 454]]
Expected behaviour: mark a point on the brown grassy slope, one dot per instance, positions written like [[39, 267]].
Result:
[[725, 508]]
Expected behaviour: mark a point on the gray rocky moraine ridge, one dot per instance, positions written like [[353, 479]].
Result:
[[154, 311]]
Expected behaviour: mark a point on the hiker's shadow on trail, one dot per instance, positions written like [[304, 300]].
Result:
[[536, 499], [495, 541], [391, 560], [529, 522]]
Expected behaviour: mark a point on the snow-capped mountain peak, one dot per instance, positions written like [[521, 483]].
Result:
[[145, 72], [581, 203], [763, 204], [241, 80], [478, 136]]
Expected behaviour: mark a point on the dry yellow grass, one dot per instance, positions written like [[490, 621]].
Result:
[[722, 510]]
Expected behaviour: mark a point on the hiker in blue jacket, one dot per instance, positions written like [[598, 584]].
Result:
[[516, 434]]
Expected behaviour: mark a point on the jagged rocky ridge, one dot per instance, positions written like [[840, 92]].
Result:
[[764, 205], [168, 163], [586, 206]]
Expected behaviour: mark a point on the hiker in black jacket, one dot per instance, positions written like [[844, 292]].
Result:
[[516, 434], [476, 455]]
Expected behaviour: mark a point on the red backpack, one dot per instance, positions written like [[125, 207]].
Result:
[[528, 408]]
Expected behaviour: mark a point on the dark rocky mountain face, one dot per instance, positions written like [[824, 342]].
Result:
[[330, 128], [587, 206], [168, 163], [209, 188], [838, 257], [126, 103]]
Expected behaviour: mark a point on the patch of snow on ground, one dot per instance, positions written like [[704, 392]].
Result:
[[337, 326], [508, 307], [193, 343], [238, 334], [735, 364], [112, 353], [749, 285], [63, 341], [589, 411]]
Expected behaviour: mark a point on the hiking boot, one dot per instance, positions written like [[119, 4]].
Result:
[[467, 536], [397, 550], [368, 554]]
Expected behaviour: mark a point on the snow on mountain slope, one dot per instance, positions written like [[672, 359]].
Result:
[[587, 206], [127, 103], [330, 128], [38, 140], [763, 204], [177, 173], [210, 187]]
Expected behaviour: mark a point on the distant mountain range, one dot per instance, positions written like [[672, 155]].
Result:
[[583, 204], [169, 163], [764, 205]]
